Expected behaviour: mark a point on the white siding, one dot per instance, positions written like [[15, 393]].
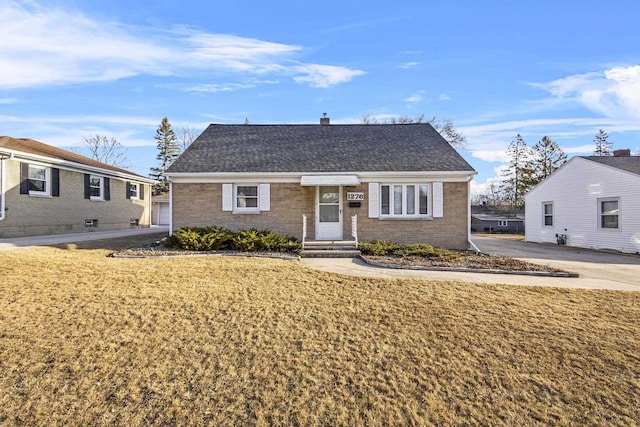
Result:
[[574, 190]]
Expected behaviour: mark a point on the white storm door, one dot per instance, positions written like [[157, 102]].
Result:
[[329, 212]]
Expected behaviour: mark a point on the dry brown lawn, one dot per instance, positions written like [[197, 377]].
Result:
[[91, 340]]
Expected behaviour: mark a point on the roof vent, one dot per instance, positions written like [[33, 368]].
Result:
[[624, 152], [324, 120]]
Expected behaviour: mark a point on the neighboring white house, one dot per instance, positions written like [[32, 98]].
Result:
[[589, 202]]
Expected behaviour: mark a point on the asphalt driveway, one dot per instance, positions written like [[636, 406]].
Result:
[[593, 266]]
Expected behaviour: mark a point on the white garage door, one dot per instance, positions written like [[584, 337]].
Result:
[[163, 213]]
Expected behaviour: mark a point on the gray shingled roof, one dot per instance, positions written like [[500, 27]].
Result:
[[628, 163], [317, 148]]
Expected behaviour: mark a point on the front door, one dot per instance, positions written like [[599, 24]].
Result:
[[329, 212]]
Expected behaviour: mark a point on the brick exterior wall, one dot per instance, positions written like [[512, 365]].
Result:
[[450, 231], [32, 216], [201, 205]]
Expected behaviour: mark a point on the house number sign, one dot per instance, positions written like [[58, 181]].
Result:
[[355, 196]]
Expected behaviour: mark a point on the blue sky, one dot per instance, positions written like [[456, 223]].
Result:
[[70, 69]]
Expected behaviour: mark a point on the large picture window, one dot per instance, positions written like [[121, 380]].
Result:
[[404, 200], [609, 213]]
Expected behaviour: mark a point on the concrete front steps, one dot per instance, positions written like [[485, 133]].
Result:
[[329, 249]]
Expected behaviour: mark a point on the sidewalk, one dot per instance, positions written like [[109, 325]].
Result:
[[356, 267], [54, 239]]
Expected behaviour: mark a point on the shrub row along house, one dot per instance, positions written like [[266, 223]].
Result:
[[401, 183], [47, 190], [589, 202]]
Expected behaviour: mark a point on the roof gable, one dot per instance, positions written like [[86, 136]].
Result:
[[318, 149], [37, 148]]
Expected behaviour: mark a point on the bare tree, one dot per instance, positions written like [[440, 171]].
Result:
[[186, 136], [444, 127], [103, 149]]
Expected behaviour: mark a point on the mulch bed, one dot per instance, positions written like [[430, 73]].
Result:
[[468, 260]]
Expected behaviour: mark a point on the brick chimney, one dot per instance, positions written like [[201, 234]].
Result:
[[324, 120], [623, 152]]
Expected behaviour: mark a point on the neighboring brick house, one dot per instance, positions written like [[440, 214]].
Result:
[[589, 202], [47, 190], [401, 183]]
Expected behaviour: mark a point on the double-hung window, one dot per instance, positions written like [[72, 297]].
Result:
[[96, 187], [404, 200], [39, 181], [547, 213], [609, 212], [246, 198], [134, 190]]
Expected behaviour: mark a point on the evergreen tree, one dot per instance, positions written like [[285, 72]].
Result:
[[168, 152], [547, 156], [603, 145], [518, 174]]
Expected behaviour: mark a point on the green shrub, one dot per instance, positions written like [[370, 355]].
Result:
[[218, 238], [383, 248]]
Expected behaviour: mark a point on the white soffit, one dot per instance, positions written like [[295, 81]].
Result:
[[313, 180]]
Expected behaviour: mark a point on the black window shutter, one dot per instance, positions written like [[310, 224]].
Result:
[[128, 188], [87, 189], [24, 178], [141, 191], [55, 182], [107, 189]]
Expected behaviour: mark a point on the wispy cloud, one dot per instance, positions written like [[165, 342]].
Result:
[[415, 98], [444, 97], [62, 47], [614, 92], [408, 65], [6, 101]]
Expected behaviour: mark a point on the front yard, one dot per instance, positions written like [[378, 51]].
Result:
[[91, 340]]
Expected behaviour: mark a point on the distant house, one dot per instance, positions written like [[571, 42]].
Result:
[[325, 182], [589, 202], [495, 223], [47, 190], [160, 209]]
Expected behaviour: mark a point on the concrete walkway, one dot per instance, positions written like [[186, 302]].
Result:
[[357, 267], [55, 239]]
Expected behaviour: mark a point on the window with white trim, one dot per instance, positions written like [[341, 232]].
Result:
[[608, 210], [96, 187], [547, 214], [404, 200], [39, 181], [503, 223], [134, 190], [246, 198]]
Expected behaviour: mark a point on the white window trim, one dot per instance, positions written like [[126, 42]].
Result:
[[47, 182], [101, 196], [609, 199], [404, 215], [503, 223], [545, 215], [137, 187], [251, 210]]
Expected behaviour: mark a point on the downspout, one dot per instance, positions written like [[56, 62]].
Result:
[[471, 244], [3, 157], [170, 209]]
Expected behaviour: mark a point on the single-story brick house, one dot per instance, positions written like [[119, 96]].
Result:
[[47, 190], [589, 202], [397, 182]]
